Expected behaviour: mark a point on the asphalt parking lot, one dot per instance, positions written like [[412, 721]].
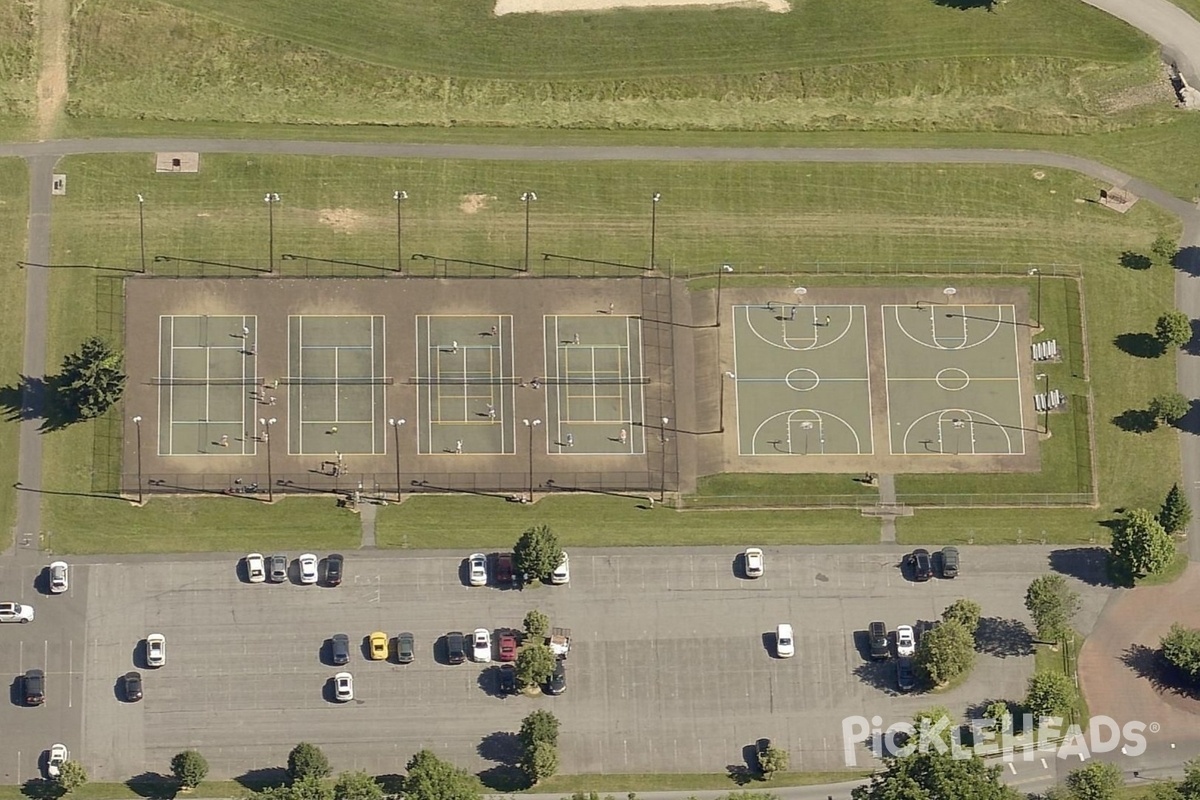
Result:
[[671, 667]]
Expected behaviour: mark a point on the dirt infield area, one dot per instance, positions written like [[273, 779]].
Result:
[[548, 6]]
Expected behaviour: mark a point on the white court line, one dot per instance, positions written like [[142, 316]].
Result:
[[887, 380], [867, 364], [737, 411]]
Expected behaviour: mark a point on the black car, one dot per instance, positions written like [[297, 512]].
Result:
[[333, 569], [133, 686], [35, 687], [503, 571], [456, 647], [922, 565], [405, 648], [558, 679], [877, 633], [906, 679], [507, 679], [277, 568], [339, 649], [950, 562]]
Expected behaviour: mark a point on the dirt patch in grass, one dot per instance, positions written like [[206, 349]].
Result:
[[474, 203], [342, 220]]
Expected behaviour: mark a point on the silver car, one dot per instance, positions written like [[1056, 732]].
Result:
[[59, 577], [156, 650]]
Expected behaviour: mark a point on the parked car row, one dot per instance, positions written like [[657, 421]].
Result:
[[921, 563], [906, 648], [274, 568], [499, 569]]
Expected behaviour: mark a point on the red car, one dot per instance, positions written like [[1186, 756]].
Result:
[[508, 647]]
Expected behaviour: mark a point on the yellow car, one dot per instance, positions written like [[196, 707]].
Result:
[[379, 646]]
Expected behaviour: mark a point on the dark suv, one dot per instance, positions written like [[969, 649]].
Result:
[[950, 561], [503, 571], [333, 569], [922, 565], [35, 687], [558, 679], [339, 649], [877, 633], [456, 652]]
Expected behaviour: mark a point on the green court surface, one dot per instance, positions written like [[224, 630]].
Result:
[[594, 383], [208, 386], [801, 378], [335, 385], [465, 384], [953, 380]]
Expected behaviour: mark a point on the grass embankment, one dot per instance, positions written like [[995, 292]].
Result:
[[925, 217], [14, 216], [1057, 66], [18, 66]]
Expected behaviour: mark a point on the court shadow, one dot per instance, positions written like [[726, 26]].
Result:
[[1139, 345]]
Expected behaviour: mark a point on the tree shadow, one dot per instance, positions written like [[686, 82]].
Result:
[[1003, 638], [878, 675], [1136, 420], [392, 784], [266, 778], [32, 398], [1187, 259], [1189, 422], [1132, 260], [1140, 345], [504, 779], [1088, 564], [503, 747], [154, 786], [1150, 664], [41, 789], [966, 5]]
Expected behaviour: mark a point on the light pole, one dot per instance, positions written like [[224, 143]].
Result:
[[137, 421], [142, 229], [267, 423], [662, 477], [721, 401], [527, 198], [399, 195], [654, 198], [724, 268], [806, 426], [531, 424], [271, 199], [1045, 379], [958, 426], [396, 423], [1038, 273], [949, 291]]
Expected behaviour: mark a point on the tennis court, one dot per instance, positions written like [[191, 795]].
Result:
[[207, 385], [801, 378], [594, 383], [953, 380], [335, 385], [465, 384]]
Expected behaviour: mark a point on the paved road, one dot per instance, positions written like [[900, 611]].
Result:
[[1173, 28]]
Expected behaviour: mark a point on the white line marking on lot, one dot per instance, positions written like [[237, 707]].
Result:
[[70, 673], [1044, 766], [1013, 769], [625, 747]]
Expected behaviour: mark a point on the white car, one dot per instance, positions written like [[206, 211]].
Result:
[[308, 568], [754, 562], [256, 568], [477, 567], [59, 755], [785, 645], [481, 646], [562, 573], [15, 612], [156, 650], [906, 640], [343, 686], [58, 577]]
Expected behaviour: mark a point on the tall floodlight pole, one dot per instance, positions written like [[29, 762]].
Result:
[[271, 199], [806, 426], [721, 401], [142, 229], [958, 426], [724, 268], [654, 198], [399, 195], [396, 423], [1045, 379], [662, 478], [531, 424], [527, 198], [266, 424], [1038, 273], [137, 421]]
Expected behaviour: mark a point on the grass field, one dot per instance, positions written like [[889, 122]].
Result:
[[14, 208], [1057, 66], [18, 68], [750, 214]]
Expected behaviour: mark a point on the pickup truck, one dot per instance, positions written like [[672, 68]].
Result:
[[559, 641]]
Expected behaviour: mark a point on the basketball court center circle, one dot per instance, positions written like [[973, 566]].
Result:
[[953, 379], [802, 379]]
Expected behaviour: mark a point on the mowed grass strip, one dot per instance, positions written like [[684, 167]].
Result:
[[469, 523], [18, 65], [1055, 67], [14, 216]]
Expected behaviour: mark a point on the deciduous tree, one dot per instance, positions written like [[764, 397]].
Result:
[[539, 762], [1049, 694], [537, 553], [535, 665], [945, 652], [539, 726], [772, 760], [189, 768], [1140, 546], [1169, 407], [71, 776], [1181, 649], [1165, 250], [934, 774], [965, 612], [1052, 604], [357, 786], [307, 760], [430, 778], [536, 624], [1173, 329], [1099, 780]]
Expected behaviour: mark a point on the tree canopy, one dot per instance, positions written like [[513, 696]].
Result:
[[1173, 329], [1140, 546], [1176, 511], [934, 774], [189, 768], [1052, 604], [307, 760], [1181, 649], [1098, 780], [537, 553], [966, 612], [539, 762], [431, 778], [1169, 407], [536, 624], [539, 726], [357, 786], [91, 380], [945, 652], [535, 665], [1049, 694]]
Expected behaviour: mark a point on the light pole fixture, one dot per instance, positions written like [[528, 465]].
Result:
[[949, 291], [142, 228], [267, 423], [137, 421], [1038, 319], [271, 199], [396, 423], [531, 424], [1045, 379], [806, 426], [654, 198], [958, 426], [399, 195], [527, 198], [662, 471], [724, 268]]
